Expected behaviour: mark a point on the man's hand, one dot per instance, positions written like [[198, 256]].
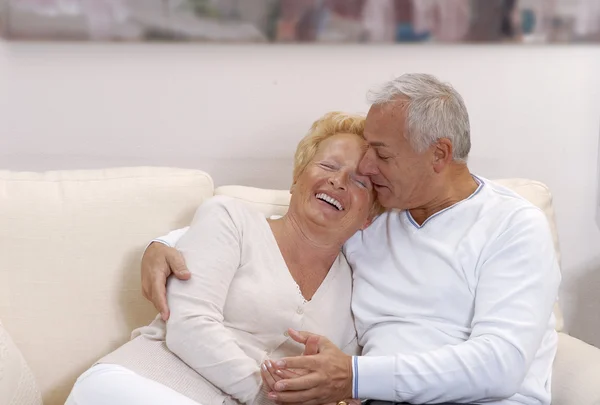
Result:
[[328, 374], [158, 262]]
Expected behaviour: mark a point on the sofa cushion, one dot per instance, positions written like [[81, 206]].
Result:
[[71, 244], [17, 384], [539, 194], [576, 373], [275, 202], [269, 202]]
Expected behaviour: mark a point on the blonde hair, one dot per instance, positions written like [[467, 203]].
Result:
[[330, 124]]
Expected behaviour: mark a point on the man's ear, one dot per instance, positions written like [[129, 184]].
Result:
[[442, 154]]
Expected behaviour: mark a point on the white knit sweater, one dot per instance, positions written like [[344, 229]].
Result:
[[17, 384], [235, 310]]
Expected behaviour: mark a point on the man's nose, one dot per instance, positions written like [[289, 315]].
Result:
[[367, 166]]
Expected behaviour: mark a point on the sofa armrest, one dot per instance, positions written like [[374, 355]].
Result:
[[576, 373]]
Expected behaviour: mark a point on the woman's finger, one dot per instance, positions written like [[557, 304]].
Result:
[[268, 378], [284, 374]]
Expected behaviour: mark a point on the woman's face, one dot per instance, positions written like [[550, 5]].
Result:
[[330, 192]]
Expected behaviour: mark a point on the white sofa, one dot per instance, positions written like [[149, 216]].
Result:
[[70, 246]]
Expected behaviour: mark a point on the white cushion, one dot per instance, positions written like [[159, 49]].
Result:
[[576, 373], [71, 244], [17, 384], [269, 202], [275, 202]]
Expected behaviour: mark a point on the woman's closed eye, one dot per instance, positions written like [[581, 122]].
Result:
[[363, 182], [328, 166]]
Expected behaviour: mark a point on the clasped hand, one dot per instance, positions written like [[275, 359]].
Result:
[[321, 375]]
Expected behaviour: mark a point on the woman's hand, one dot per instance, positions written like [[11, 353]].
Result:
[[271, 373], [158, 263], [329, 374]]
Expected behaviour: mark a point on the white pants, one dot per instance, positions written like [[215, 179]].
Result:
[[109, 384]]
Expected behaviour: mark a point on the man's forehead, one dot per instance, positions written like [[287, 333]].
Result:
[[394, 109], [381, 134], [383, 120], [375, 135]]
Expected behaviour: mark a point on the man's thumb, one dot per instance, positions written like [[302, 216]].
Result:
[[177, 264]]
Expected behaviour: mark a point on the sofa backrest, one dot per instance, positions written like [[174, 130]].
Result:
[[70, 247]]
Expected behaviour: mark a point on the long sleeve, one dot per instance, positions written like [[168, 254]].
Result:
[[517, 285], [172, 237], [352, 348], [195, 330]]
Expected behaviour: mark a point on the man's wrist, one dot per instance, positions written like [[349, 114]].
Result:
[[350, 373], [354, 376], [374, 377], [160, 241]]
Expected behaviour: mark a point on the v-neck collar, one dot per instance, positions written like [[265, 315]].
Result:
[[324, 284], [416, 225]]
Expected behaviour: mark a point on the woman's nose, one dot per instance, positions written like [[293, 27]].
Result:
[[338, 182]]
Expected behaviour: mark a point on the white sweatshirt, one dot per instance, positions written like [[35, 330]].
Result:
[[458, 309]]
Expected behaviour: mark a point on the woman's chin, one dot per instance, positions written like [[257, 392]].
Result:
[[327, 218]]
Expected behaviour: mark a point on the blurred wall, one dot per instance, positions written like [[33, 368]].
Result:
[[238, 111]]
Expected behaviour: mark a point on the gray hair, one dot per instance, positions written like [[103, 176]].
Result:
[[434, 110]]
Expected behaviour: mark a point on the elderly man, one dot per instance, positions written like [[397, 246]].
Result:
[[454, 285]]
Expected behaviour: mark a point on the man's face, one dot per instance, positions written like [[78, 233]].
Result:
[[399, 174]]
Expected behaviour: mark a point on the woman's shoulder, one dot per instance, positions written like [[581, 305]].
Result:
[[229, 208], [221, 202]]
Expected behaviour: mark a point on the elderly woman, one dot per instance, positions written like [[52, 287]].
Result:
[[252, 279]]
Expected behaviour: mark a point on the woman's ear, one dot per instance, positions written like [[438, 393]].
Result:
[[367, 223], [293, 186], [373, 215]]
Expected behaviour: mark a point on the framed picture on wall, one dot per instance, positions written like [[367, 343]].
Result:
[[304, 21]]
